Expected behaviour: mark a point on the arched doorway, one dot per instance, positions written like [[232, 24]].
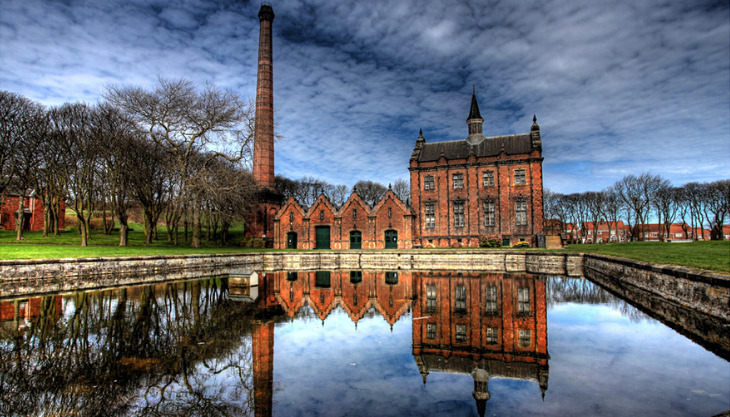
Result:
[[355, 239], [391, 239], [322, 237], [291, 240]]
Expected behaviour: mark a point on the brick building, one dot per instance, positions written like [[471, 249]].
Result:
[[476, 186], [33, 211], [355, 225], [487, 326]]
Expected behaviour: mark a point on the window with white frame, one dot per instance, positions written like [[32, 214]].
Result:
[[490, 305], [460, 298], [430, 298], [460, 333], [430, 215], [488, 179], [521, 213], [525, 338], [523, 300], [431, 330], [428, 183], [489, 213], [458, 214], [520, 178], [458, 180], [492, 335]]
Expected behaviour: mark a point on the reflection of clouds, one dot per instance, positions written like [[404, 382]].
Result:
[[647, 367], [354, 82]]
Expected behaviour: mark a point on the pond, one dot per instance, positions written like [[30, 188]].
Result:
[[356, 343]]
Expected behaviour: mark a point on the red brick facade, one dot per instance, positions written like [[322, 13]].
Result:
[[477, 186], [34, 212], [355, 222]]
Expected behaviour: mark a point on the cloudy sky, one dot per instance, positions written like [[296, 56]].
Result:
[[618, 87]]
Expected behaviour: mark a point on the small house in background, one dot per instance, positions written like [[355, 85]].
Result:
[[33, 211]]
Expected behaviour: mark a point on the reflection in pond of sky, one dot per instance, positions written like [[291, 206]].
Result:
[[356, 343]]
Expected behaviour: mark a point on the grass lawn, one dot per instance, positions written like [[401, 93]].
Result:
[[67, 245], [713, 255]]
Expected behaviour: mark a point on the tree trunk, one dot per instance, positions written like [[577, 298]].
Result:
[[196, 225], [83, 227], [123, 233], [21, 219]]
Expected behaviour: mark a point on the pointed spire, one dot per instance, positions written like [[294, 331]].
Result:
[[474, 111], [535, 126], [474, 121]]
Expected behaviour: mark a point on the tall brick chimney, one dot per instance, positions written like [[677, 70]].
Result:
[[260, 220], [263, 146]]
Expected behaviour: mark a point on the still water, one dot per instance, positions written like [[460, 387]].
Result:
[[355, 343]]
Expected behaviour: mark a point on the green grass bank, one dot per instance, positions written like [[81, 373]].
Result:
[[714, 256]]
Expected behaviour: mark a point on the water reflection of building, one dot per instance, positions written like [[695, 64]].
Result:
[[358, 293], [15, 314], [483, 325], [489, 326]]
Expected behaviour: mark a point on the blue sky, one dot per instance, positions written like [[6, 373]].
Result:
[[618, 87]]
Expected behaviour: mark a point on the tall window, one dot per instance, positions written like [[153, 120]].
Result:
[[488, 179], [489, 213], [521, 213], [430, 330], [430, 217], [458, 214], [460, 298], [523, 300], [458, 180], [520, 177], [460, 333], [428, 183], [492, 335], [430, 298], [525, 338], [490, 306]]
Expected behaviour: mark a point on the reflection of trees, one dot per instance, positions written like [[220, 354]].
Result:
[[145, 350], [582, 291]]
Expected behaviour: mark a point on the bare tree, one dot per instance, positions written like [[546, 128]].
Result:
[[116, 137], [29, 130], [594, 202], [371, 192], [185, 122], [149, 181], [611, 208], [77, 170], [667, 202], [13, 109], [717, 206], [402, 189]]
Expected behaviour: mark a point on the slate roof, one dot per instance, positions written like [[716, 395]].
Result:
[[491, 146]]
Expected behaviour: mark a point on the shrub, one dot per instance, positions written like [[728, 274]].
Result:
[[522, 245], [490, 241]]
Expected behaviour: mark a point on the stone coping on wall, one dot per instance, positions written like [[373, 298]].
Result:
[[420, 259]]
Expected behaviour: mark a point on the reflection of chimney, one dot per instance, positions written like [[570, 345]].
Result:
[[263, 147], [263, 368]]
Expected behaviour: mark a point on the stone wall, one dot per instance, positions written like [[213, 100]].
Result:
[[43, 276], [705, 291]]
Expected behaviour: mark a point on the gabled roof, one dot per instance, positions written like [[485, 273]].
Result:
[[391, 195], [491, 146], [293, 203], [353, 199], [322, 199]]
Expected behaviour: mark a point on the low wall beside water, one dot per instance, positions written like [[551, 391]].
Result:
[[704, 291], [22, 277]]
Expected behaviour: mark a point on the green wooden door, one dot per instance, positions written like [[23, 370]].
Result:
[[291, 240], [322, 237], [391, 239], [355, 240]]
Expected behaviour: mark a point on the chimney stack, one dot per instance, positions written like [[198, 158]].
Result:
[[263, 146]]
